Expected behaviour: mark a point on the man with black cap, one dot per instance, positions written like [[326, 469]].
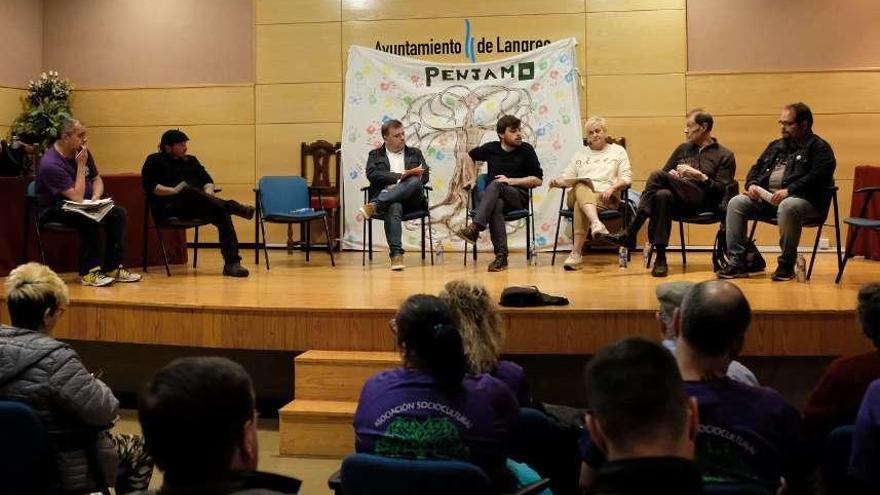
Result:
[[179, 186]]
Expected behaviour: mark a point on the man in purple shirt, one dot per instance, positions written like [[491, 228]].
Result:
[[865, 459], [67, 172]]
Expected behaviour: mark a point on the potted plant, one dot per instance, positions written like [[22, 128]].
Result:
[[46, 106]]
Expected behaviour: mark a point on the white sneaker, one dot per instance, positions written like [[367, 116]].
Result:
[[598, 229], [122, 274], [96, 278], [573, 262]]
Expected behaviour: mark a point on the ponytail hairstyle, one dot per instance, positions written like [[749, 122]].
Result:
[[478, 321], [429, 340]]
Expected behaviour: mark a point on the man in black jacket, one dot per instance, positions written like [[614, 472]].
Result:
[[397, 174], [179, 186], [790, 181]]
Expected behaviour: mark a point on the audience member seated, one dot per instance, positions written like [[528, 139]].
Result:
[[836, 398], [76, 407], [747, 434], [479, 323], [179, 186], [694, 179], [429, 407], [670, 295], [865, 458], [67, 171], [642, 421], [790, 181], [199, 421], [19, 157], [597, 175]]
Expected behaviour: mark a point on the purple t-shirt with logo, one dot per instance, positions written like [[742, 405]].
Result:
[[865, 461], [57, 174], [748, 434], [405, 413], [514, 377], [745, 434]]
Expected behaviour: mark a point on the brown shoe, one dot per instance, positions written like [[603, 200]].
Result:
[[499, 264], [368, 210], [469, 234], [397, 264]]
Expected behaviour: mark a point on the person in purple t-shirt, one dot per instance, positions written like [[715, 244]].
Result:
[[865, 459], [429, 407], [67, 171], [746, 434]]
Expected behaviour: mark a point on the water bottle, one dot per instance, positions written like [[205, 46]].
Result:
[[623, 257], [646, 253], [438, 253], [800, 269], [15, 142], [533, 254]]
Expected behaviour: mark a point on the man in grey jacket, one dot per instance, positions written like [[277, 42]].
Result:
[[397, 175], [48, 375]]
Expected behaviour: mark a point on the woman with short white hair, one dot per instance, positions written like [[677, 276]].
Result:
[[597, 174]]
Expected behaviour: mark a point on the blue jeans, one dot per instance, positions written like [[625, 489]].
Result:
[[389, 207], [791, 214]]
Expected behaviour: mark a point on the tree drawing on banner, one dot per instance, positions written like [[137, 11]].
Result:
[[463, 115]]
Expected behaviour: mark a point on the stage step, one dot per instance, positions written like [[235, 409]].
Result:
[[338, 375], [317, 428], [318, 422]]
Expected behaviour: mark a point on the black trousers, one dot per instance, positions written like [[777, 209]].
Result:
[[664, 198], [497, 199], [193, 203], [92, 252]]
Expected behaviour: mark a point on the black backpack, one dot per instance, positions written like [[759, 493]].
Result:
[[754, 262]]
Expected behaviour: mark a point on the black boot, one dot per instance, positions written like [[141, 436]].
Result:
[[660, 268], [238, 209]]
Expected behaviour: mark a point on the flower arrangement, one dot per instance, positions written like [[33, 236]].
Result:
[[46, 106]]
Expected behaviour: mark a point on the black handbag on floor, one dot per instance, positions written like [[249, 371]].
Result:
[[519, 296]]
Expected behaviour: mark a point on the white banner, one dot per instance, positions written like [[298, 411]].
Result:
[[448, 109]]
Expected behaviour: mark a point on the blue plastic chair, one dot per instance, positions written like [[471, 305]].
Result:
[[25, 458], [509, 216], [31, 216], [368, 474], [856, 224], [285, 199]]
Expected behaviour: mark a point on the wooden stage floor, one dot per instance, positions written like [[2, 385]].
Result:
[[300, 306]]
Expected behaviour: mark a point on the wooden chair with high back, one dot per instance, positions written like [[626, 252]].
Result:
[[322, 175]]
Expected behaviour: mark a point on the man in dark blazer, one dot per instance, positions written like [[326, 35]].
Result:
[[397, 174]]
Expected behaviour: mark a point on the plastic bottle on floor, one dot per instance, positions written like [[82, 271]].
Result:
[[438, 253], [623, 257], [800, 269]]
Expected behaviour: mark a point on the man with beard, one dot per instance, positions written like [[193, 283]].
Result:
[[513, 169], [790, 181]]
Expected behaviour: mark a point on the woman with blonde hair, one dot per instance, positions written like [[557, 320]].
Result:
[[597, 175], [479, 323], [49, 376]]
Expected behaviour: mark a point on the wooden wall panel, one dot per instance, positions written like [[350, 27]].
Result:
[[766, 93], [278, 145], [299, 103], [628, 5], [649, 140], [227, 151], [636, 95], [360, 10], [551, 27], [165, 106], [639, 42], [295, 53], [290, 11], [10, 104]]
